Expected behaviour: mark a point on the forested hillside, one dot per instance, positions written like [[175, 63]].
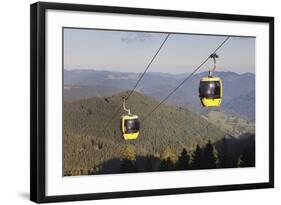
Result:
[[171, 138]]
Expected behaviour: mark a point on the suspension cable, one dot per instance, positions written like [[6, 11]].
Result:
[[140, 78], [186, 79]]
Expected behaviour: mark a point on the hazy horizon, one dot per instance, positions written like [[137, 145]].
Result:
[[174, 73], [132, 51]]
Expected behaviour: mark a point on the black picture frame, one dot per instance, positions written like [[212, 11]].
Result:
[[38, 103]]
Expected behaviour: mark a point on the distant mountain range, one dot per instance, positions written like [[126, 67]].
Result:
[[75, 92], [238, 89]]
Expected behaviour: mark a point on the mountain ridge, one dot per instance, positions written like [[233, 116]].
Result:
[[235, 87]]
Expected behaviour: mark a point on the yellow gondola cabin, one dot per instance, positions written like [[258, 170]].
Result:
[[129, 124], [210, 91], [130, 127]]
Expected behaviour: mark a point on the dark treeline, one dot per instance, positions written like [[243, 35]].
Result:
[[205, 157]]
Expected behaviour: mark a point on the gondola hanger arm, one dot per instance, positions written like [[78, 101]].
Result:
[[124, 106], [213, 56]]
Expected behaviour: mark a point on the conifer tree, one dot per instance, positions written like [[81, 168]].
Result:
[[197, 158], [166, 165], [183, 162], [169, 153], [129, 159], [224, 155], [128, 152], [210, 159]]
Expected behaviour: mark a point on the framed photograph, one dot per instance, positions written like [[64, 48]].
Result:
[[129, 102]]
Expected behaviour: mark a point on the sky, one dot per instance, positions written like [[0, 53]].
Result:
[[132, 51]]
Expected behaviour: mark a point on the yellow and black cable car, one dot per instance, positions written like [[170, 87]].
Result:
[[210, 91], [210, 88], [130, 125]]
